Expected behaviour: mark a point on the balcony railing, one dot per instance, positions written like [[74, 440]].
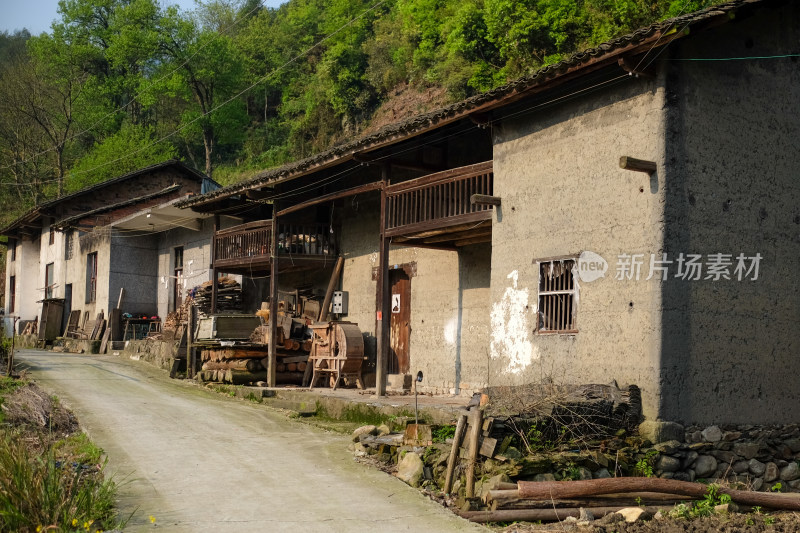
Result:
[[249, 244], [439, 200]]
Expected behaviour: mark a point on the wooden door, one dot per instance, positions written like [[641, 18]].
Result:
[[400, 322]]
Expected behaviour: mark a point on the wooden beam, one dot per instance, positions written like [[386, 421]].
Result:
[[459, 235], [260, 194], [484, 199], [273, 304], [476, 240], [638, 165], [442, 230], [332, 196], [412, 244], [382, 296]]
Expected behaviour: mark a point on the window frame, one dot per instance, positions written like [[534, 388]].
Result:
[[571, 290], [91, 277], [12, 293], [49, 280]]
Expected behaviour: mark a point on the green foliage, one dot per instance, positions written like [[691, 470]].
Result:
[[644, 466], [570, 471], [233, 87], [37, 490], [777, 487], [704, 507], [129, 149], [442, 433]]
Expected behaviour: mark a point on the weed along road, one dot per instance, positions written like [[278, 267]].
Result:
[[197, 461]]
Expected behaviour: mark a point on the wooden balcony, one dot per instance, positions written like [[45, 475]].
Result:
[[439, 200], [246, 248]]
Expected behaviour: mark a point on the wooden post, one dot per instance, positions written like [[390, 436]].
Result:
[[451, 461], [190, 359], [382, 296], [214, 268], [10, 358], [475, 416], [326, 303], [273, 300]]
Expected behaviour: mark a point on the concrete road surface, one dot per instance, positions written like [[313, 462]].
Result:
[[197, 461]]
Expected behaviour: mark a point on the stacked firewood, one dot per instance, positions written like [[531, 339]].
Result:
[[229, 296], [241, 366]]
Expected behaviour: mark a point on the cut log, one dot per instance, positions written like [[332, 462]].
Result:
[[218, 354], [461, 425], [280, 367], [475, 416], [250, 365], [295, 345], [301, 366], [240, 377], [306, 347], [287, 344], [561, 490], [535, 515], [291, 367]]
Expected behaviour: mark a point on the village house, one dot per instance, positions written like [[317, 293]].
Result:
[[80, 250], [629, 215]]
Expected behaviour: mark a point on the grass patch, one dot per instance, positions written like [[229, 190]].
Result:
[[41, 492], [48, 481]]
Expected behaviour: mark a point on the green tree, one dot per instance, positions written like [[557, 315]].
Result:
[[132, 147]]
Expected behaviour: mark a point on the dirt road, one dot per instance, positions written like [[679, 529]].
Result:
[[200, 462]]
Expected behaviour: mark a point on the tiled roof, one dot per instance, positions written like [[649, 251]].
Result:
[[657, 34]]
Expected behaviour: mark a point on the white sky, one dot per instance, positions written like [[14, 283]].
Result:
[[37, 15]]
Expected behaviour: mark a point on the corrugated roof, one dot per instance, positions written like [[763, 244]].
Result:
[[658, 34]]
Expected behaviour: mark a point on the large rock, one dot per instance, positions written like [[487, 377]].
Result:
[[410, 469], [363, 430], [668, 463], [712, 434], [757, 468], [705, 466], [660, 431], [790, 472], [746, 450], [634, 514], [771, 472]]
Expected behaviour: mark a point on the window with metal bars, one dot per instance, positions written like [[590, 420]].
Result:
[[558, 296]]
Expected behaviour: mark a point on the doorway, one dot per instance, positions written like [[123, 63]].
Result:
[[400, 321]]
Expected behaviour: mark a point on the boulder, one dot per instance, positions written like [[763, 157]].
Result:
[[410, 469], [756, 467], [601, 474], [668, 463], [363, 430], [712, 434], [790, 472], [383, 429], [770, 472], [661, 431], [634, 514], [705, 466], [746, 450]]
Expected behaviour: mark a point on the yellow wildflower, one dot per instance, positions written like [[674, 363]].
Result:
[[74, 522], [38, 529], [152, 519]]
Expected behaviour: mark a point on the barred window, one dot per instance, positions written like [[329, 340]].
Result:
[[558, 296]]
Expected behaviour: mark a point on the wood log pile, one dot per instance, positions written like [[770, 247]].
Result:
[[243, 365], [557, 500], [229, 296]]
